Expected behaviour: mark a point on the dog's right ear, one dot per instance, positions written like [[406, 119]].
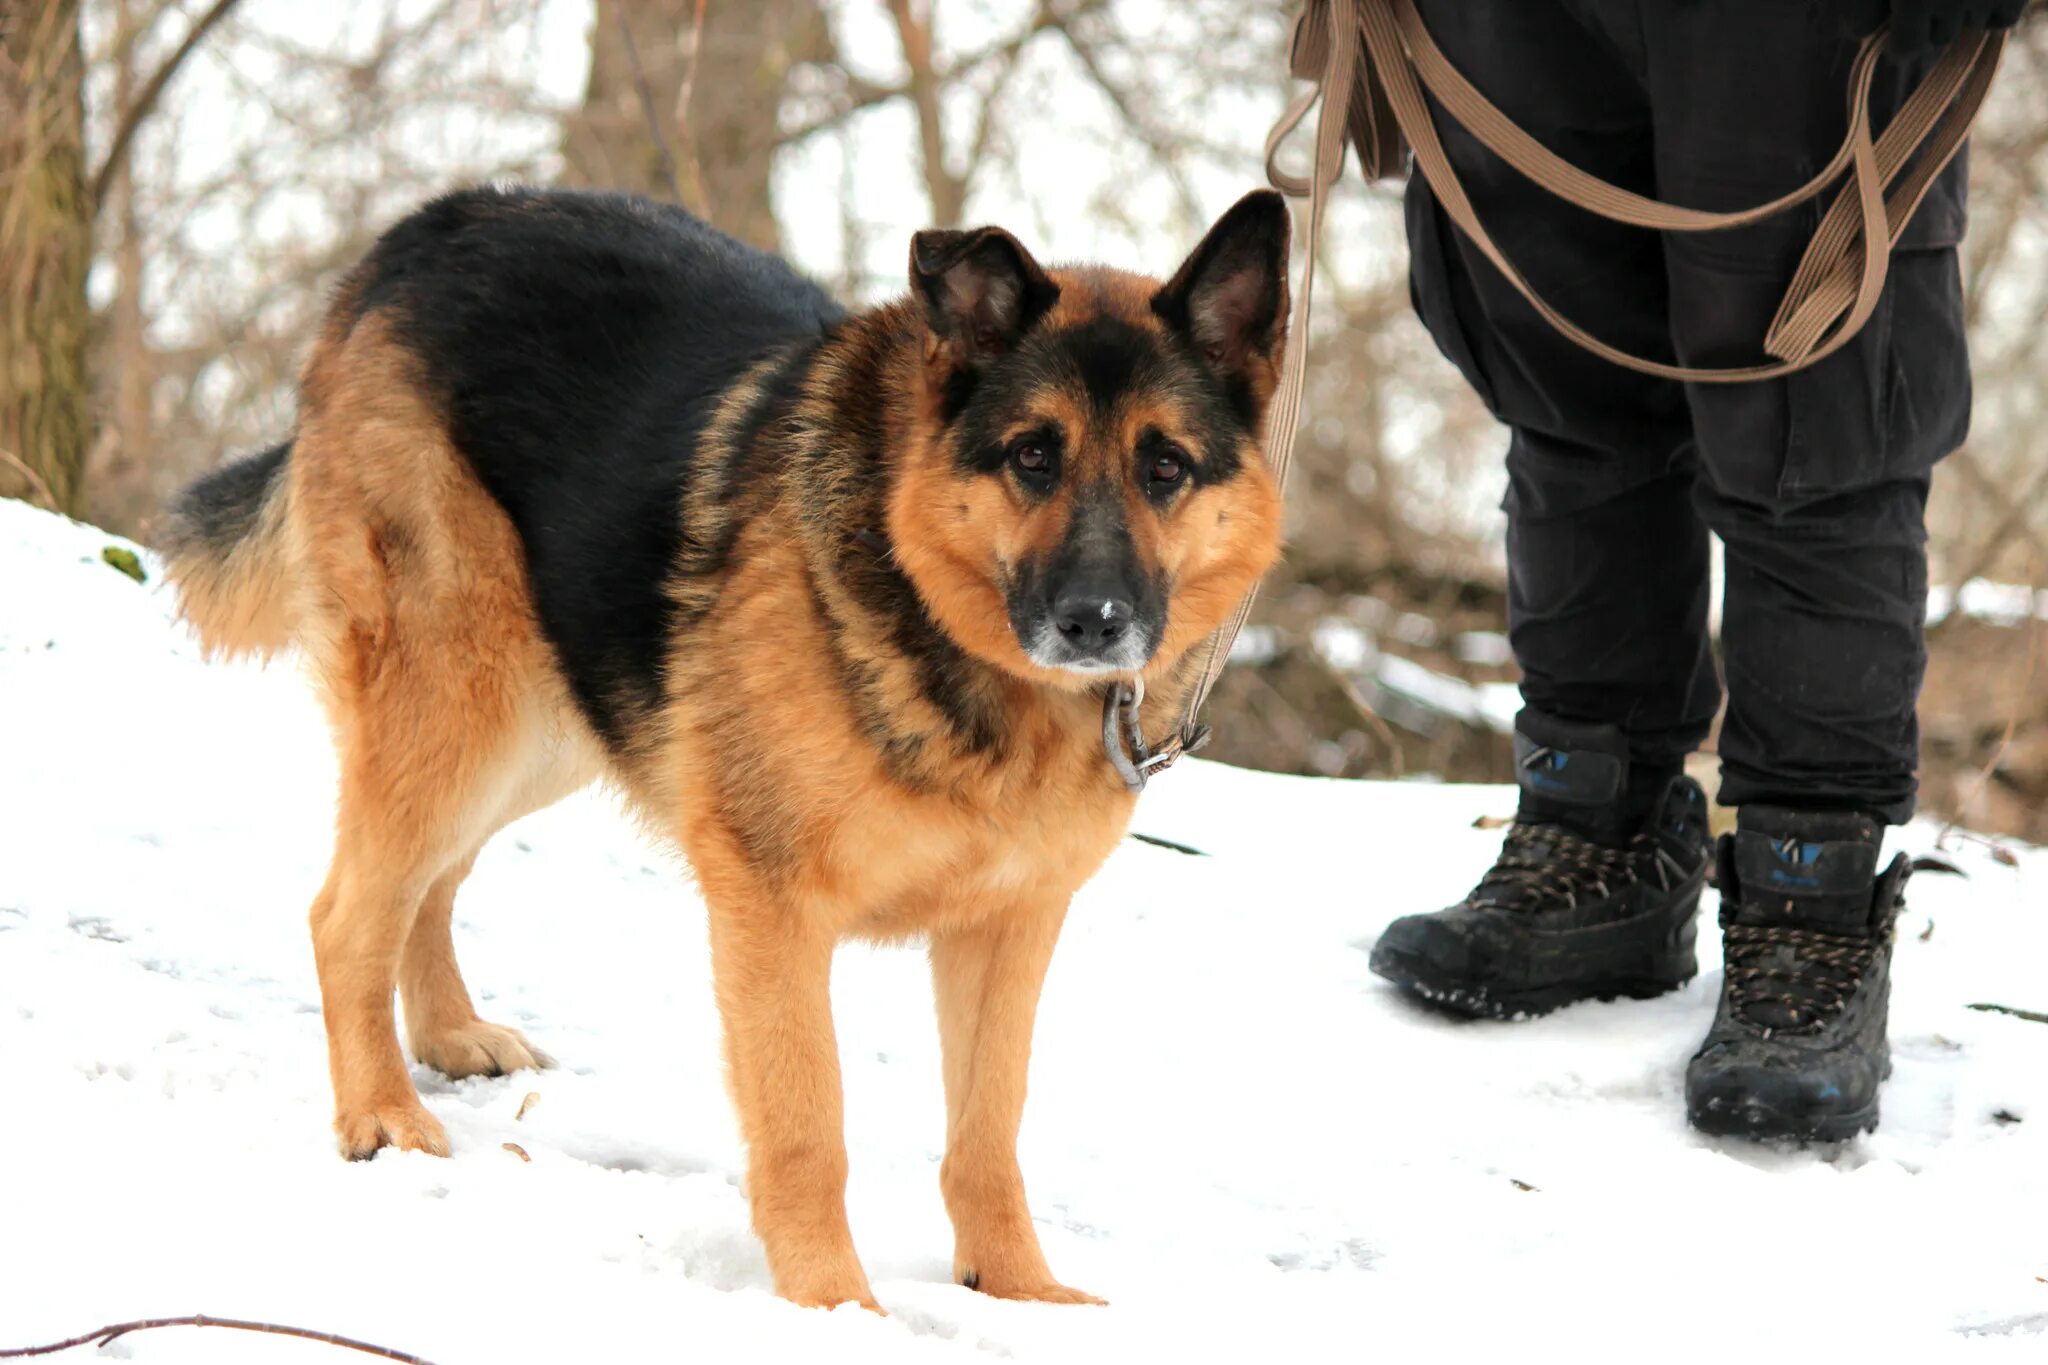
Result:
[[980, 289]]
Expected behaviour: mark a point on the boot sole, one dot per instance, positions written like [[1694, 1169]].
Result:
[[1420, 978], [1761, 1123]]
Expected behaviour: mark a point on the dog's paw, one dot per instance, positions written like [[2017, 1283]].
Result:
[[827, 1282], [831, 1296], [408, 1127], [1041, 1293], [1024, 1287], [478, 1049]]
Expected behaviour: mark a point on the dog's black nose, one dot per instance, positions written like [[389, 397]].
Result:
[[1089, 620]]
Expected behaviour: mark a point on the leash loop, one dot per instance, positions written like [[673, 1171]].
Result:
[[1376, 100], [1123, 737], [1120, 728]]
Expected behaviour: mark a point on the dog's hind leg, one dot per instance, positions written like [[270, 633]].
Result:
[[429, 772], [987, 978], [421, 776], [441, 1023], [443, 699]]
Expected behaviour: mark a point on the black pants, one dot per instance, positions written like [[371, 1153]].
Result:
[[1816, 483]]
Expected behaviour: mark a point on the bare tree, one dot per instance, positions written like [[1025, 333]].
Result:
[[682, 100], [215, 278], [45, 254], [121, 361]]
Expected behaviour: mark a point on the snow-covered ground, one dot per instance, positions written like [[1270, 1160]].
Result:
[[1252, 1147]]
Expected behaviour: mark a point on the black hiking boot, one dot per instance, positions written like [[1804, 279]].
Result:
[[1593, 897], [1798, 1044]]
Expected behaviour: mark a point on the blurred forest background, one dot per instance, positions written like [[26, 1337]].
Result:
[[182, 180]]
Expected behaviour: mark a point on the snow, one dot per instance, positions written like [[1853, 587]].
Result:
[[1998, 604], [1251, 1146]]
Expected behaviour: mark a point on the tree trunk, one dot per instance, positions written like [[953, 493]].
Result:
[[709, 141], [121, 466], [45, 252], [947, 190]]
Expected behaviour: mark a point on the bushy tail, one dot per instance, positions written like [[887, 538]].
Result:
[[226, 544]]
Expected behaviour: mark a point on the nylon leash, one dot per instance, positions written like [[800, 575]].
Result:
[[1283, 418], [1835, 290]]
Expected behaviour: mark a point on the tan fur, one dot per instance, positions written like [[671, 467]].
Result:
[[448, 718], [951, 535], [407, 591]]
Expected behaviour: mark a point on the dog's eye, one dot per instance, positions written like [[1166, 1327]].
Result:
[[1167, 467], [1031, 457]]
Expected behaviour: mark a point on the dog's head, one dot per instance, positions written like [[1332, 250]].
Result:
[[1085, 494]]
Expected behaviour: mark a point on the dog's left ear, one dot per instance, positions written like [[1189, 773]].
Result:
[[980, 288], [1229, 299]]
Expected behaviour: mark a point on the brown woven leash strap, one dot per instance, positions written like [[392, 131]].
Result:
[[1380, 100], [1831, 280], [1838, 283], [1283, 416]]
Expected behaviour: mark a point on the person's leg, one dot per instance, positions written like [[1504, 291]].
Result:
[[1817, 485], [1824, 648], [1595, 891], [1607, 558], [1607, 610]]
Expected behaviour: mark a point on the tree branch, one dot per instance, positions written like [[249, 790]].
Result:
[[686, 131], [2016, 523], [100, 1336], [1009, 52], [865, 94], [1164, 146], [2031, 1016], [35, 480], [2034, 631], [947, 191], [134, 114], [646, 98]]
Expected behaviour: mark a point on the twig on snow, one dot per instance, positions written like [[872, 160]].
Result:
[[1999, 852], [1157, 842], [101, 1336], [2031, 1016]]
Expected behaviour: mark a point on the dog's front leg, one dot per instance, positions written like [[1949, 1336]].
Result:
[[773, 972], [987, 980]]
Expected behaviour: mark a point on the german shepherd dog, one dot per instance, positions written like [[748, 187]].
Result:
[[581, 488]]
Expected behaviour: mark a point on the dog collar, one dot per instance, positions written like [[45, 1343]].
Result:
[[1123, 737]]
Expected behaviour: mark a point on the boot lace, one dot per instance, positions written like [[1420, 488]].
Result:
[[1542, 864], [1787, 980]]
